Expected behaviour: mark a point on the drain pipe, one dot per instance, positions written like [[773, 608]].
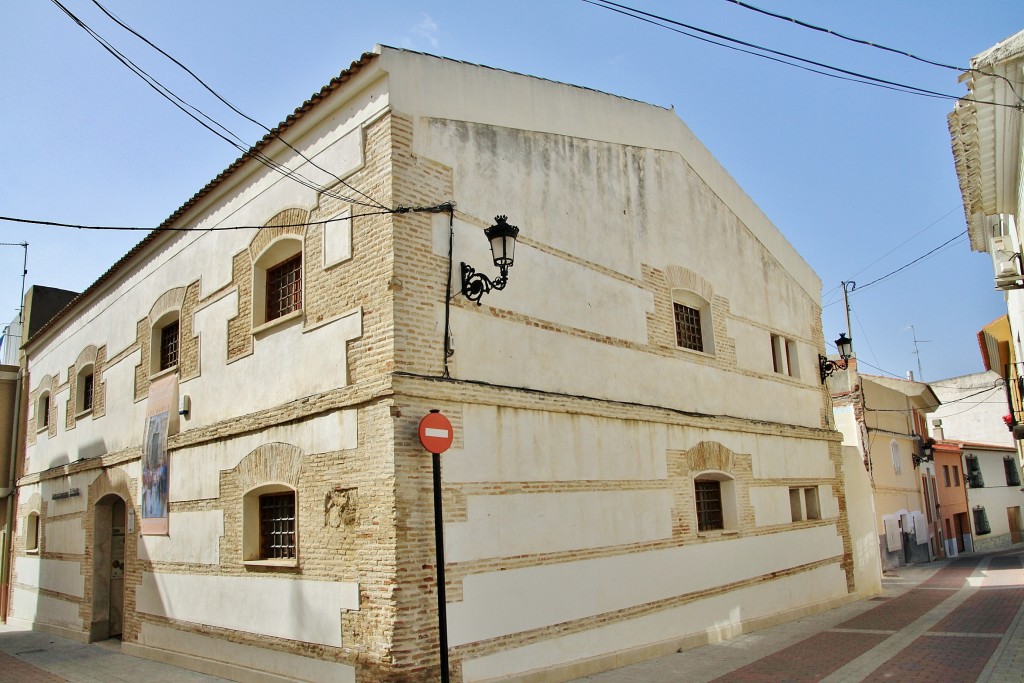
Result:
[[8, 536]]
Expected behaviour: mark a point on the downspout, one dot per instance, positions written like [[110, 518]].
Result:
[[8, 537]]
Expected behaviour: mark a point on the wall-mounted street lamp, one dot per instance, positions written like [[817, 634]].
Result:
[[827, 367], [927, 452], [502, 237]]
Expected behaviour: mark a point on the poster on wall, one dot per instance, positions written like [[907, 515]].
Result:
[[161, 422]]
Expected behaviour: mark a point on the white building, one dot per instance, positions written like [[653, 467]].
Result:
[[222, 462]]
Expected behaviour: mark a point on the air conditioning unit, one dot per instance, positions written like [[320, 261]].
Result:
[[1006, 263]]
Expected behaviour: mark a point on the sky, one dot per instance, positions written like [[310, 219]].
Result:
[[859, 179]]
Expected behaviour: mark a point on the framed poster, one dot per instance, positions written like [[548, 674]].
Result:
[[161, 422]]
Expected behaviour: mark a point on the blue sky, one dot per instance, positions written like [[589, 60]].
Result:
[[859, 179]]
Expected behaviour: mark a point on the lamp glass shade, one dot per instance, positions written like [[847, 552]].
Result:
[[502, 237], [845, 345]]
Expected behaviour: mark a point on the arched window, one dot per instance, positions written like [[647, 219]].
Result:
[[165, 342], [43, 412], [270, 527], [85, 389], [715, 499], [277, 281], [32, 532], [692, 318]]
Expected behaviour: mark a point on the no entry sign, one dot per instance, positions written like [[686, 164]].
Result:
[[436, 432]]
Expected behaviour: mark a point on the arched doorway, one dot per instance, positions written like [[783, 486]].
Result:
[[108, 556]]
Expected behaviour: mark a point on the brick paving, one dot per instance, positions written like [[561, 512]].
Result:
[[892, 615], [14, 670], [938, 658], [960, 620], [808, 660]]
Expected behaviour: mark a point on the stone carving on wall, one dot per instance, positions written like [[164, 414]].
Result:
[[340, 507]]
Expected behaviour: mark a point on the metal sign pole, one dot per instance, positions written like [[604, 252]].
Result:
[[442, 612]]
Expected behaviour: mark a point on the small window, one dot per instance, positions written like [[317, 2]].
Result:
[[804, 503], [784, 356], [43, 411], [972, 472], [945, 475], [1012, 474], [277, 526], [85, 390], [270, 526], [709, 504], [284, 288], [981, 525], [277, 282], [32, 532], [169, 345], [956, 475], [689, 334]]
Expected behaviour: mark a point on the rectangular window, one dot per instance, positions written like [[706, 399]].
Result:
[[811, 503], [169, 346], [981, 525], [709, 504], [277, 526], [777, 354], [972, 472], [945, 475], [956, 476], [1012, 475], [804, 503], [44, 410], [284, 288], [87, 392], [688, 330]]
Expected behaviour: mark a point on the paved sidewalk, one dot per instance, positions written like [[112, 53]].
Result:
[[945, 621], [960, 620], [35, 657]]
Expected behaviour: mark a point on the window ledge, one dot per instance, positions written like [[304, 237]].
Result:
[[280, 564], [34, 551], [163, 373], [718, 533], [43, 429], [83, 413], [259, 329], [705, 354]]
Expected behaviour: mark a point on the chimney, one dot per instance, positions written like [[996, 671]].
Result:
[[937, 430]]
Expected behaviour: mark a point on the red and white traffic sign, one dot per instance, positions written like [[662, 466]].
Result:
[[436, 432]]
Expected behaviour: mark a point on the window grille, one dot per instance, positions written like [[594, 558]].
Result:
[[1012, 475], [284, 288], [975, 480], [87, 382], [169, 346], [709, 504], [277, 526], [688, 330], [981, 525]]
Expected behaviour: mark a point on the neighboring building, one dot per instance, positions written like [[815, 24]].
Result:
[[951, 496], [222, 460], [994, 494], [885, 420], [974, 408], [988, 150]]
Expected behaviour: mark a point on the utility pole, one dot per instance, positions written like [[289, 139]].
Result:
[[848, 286]]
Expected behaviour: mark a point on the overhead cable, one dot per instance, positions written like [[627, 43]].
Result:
[[840, 73], [228, 104], [877, 46], [178, 102]]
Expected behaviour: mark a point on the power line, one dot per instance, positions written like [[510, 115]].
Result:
[[917, 260], [854, 76], [922, 230], [868, 43], [233, 108], [184, 106]]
